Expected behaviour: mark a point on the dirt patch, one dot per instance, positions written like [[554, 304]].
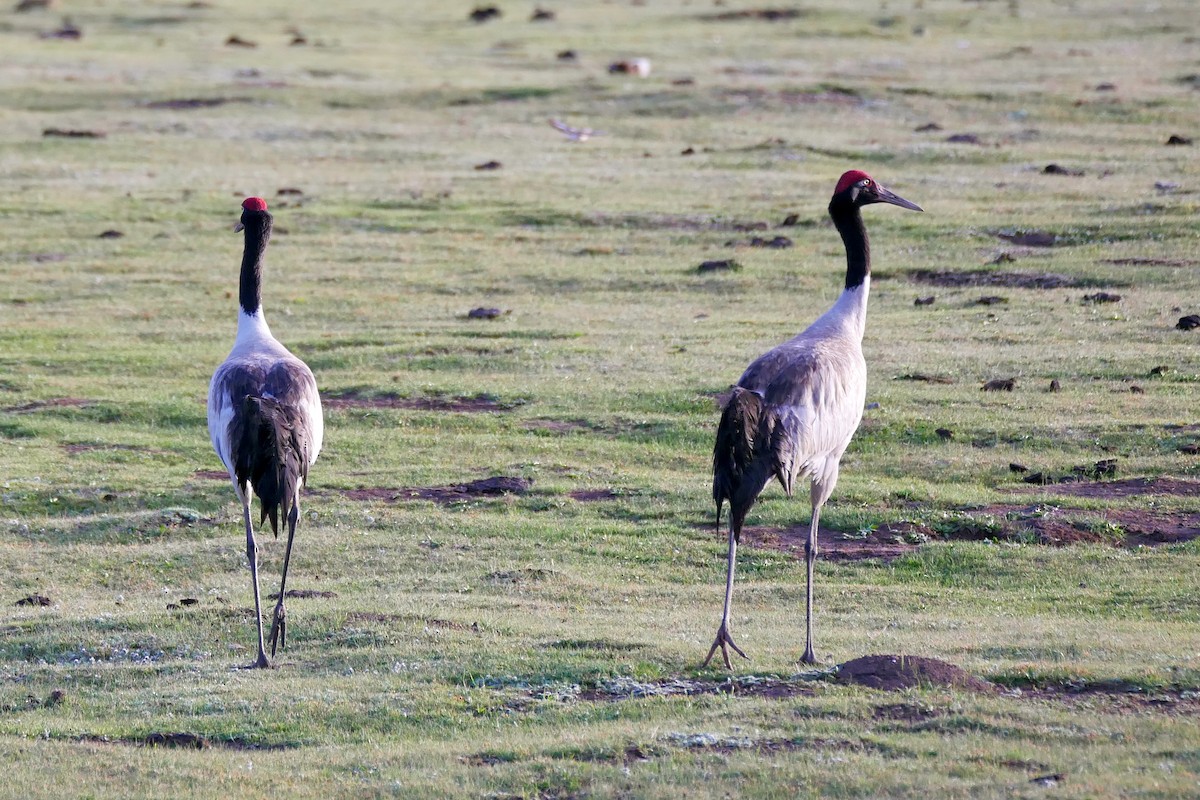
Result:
[[519, 576], [1130, 487], [54, 402], [304, 594], [557, 425], [443, 495], [987, 277], [190, 741], [82, 447], [188, 103], [593, 495], [1150, 262], [893, 673], [34, 600], [1114, 697], [477, 404], [211, 474], [763, 14], [1029, 238], [907, 712], [886, 542], [624, 688]]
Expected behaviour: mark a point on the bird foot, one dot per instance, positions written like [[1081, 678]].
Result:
[[278, 633], [809, 657], [724, 641], [262, 662]]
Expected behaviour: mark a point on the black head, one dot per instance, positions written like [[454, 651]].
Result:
[[856, 188]]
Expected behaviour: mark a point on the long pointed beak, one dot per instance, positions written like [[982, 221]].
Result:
[[888, 196], [240, 227]]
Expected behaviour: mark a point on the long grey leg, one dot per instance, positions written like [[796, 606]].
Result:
[[724, 639], [810, 557], [279, 622], [252, 557]]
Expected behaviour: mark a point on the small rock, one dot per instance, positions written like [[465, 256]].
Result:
[[688, 151], [1017, 468], [484, 13], [963, 138], [1106, 87], [1102, 297], [1055, 386], [1058, 169], [927, 127], [945, 433], [566, 55], [1047, 781], [719, 265], [1176, 139], [237, 41], [486, 313], [488, 165], [999, 385], [34, 600], [991, 300], [1135, 389], [541, 15], [924, 301], [110, 234], [789, 220]]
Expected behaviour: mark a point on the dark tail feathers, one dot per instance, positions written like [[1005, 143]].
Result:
[[269, 451], [735, 469]]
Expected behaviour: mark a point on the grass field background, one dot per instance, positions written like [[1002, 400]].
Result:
[[547, 644]]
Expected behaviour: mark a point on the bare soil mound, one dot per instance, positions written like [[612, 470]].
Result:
[[893, 673]]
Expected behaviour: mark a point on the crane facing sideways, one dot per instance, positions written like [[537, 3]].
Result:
[[795, 409], [264, 417]]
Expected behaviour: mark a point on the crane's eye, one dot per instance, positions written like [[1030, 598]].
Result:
[[866, 184]]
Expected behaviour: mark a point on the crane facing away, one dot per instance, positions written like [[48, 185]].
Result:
[[264, 418], [795, 409]]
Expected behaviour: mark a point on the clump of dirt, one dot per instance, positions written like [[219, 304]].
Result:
[[592, 495], [305, 594], [74, 133], [54, 402], [893, 673], [987, 277], [1150, 262], [194, 102], [211, 474], [886, 542], [193, 741], [519, 576], [763, 14], [907, 712], [34, 600], [557, 425], [626, 688], [355, 399], [1129, 487], [1029, 238], [719, 265], [444, 495], [920, 376]]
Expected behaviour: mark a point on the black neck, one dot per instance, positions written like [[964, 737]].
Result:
[[258, 233], [849, 222]]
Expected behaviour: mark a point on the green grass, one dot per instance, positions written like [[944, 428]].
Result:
[[462, 646]]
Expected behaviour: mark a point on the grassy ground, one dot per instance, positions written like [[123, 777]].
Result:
[[490, 646]]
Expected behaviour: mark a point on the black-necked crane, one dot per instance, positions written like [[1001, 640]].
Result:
[[264, 417], [795, 409]]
